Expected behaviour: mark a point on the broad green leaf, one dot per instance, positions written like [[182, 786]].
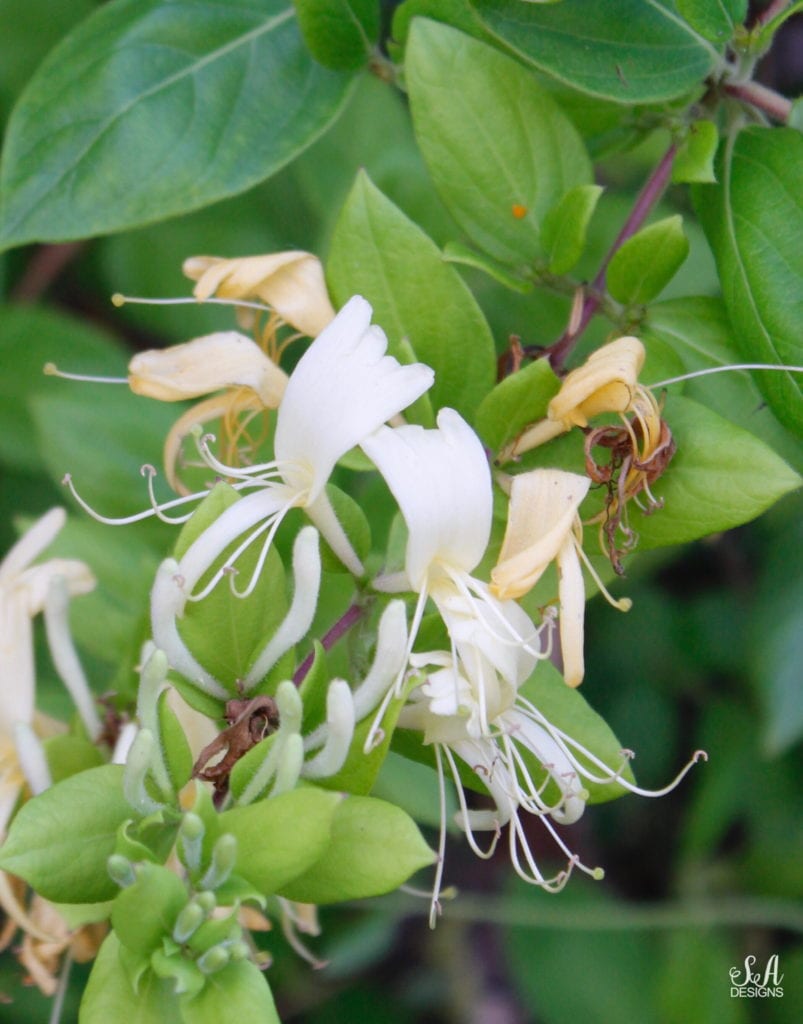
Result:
[[721, 476], [516, 401], [377, 252], [144, 913], [59, 841], [223, 631], [700, 334], [116, 141], [694, 160], [713, 19], [239, 992], [458, 13], [279, 838], [500, 152], [565, 227], [753, 219], [109, 995], [29, 338], [182, 973], [632, 51], [340, 34], [375, 848], [647, 262]]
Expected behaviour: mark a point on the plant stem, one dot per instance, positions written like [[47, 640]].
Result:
[[349, 618], [772, 11], [772, 103], [647, 198]]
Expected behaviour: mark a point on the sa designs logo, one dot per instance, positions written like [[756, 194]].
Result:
[[752, 984]]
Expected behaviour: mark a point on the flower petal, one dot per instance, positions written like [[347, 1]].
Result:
[[291, 282], [441, 480], [543, 509], [604, 383], [209, 363], [31, 544], [342, 389], [571, 591]]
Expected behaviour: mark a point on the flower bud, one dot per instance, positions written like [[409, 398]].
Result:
[[121, 870], [213, 960]]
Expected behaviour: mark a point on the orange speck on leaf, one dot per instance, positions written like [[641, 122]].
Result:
[[518, 211]]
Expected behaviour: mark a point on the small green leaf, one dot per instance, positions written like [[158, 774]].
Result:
[[375, 848], [456, 252], [109, 995], [720, 477], [83, 158], [239, 992], [516, 401], [68, 755], [647, 262], [175, 746], [355, 525], [715, 20], [146, 911], [566, 225], [59, 841], [223, 631], [183, 975], [753, 219], [279, 838], [377, 252], [694, 160], [631, 51], [340, 34], [500, 151]]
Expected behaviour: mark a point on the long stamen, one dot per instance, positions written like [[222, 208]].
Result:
[[465, 815], [722, 369], [51, 370], [226, 569], [623, 604], [435, 906], [137, 516], [122, 300], [149, 472], [262, 472]]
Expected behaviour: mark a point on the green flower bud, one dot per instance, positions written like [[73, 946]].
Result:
[[213, 960], [121, 870]]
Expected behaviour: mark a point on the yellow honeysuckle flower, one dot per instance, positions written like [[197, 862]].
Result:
[[291, 283], [606, 382], [544, 526]]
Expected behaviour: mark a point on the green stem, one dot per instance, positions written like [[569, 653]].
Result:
[[759, 96]]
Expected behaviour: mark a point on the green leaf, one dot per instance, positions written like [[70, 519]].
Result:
[[647, 262], [223, 631], [340, 34], [375, 848], [117, 141], [239, 992], [516, 401], [68, 755], [145, 912], [59, 841], [109, 995], [713, 19], [456, 252], [721, 476], [279, 838], [174, 744], [458, 13], [694, 160], [355, 525], [754, 221], [500, 151], [377, 252], [698, 330], [566, 225], [632, 51]]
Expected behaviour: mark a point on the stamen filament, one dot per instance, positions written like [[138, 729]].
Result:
[[723, 369], [51, 370]]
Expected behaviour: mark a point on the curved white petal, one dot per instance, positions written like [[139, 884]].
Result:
[[441, 480], [391, 647], [307, 577], [167, 603], [342, 389], [17, 673], [339, 731], [65, 657], [32, 758], [31, 544]]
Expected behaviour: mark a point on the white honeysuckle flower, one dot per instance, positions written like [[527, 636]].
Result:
[[27, 589], [544, 526], [292, 283], [442, 483], [342, 389], [445, 708]]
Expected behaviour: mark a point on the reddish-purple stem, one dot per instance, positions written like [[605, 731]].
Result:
[[778, 107], [340, 628], [648, 197]]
